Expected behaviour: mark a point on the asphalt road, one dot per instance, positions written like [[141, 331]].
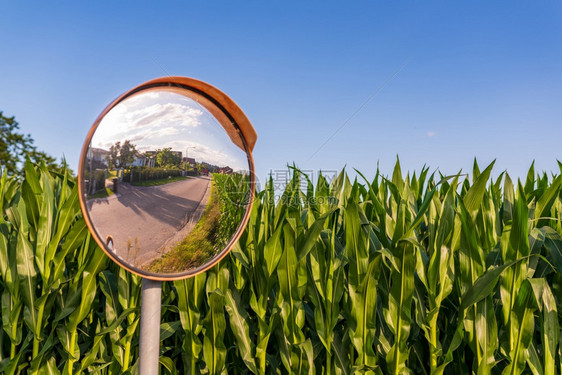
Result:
[[141, 219]]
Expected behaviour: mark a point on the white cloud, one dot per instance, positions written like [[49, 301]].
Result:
[[148, 115], [430, 134], [175, 114]]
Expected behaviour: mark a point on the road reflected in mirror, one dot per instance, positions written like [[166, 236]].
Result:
[[166, 183]]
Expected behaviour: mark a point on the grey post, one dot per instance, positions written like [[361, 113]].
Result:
[[151, 303]]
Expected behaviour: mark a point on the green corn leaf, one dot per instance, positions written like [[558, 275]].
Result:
[[534, 360], [239, 325], [273, 251], [4, 260], [31, 189], [523, 327], [90, 357], [486, 334], [66, 215], [553, 242], [49, 368], [117, 321], [44, 224], [550, 327], [341, 353], [515, 245], [168, 365], [190, 303], [397, 179], [96, 263], [311, 236], [544, 204], [536, 242], [400, 300], [423, 209], [530, 180], [167, 329], [474, 196], [484, 285], [73, 240], [27, 275], [214, 350]]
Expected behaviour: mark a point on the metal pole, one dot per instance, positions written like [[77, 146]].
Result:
[[151, 303]]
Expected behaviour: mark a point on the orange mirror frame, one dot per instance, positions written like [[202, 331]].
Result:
[[235, 123]]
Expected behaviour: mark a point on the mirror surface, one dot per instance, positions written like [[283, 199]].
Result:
[[166, 182]]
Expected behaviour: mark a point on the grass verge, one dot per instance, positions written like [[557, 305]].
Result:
[[197, 247]]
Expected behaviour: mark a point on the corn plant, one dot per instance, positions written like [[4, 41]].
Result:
[[420, 273]]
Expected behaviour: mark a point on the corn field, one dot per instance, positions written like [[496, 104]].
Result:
[[422, 274]]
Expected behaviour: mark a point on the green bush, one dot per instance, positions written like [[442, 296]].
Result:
[[145, 174], [95, 181], [395, 275]]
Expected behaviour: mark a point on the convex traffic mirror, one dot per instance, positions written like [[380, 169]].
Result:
[[166, 177]]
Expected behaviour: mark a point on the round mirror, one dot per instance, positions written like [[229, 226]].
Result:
[[166, 178]]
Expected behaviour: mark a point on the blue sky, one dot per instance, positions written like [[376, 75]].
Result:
[[481, 79]]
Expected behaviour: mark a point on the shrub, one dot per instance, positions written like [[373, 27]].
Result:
[[146, 174]]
